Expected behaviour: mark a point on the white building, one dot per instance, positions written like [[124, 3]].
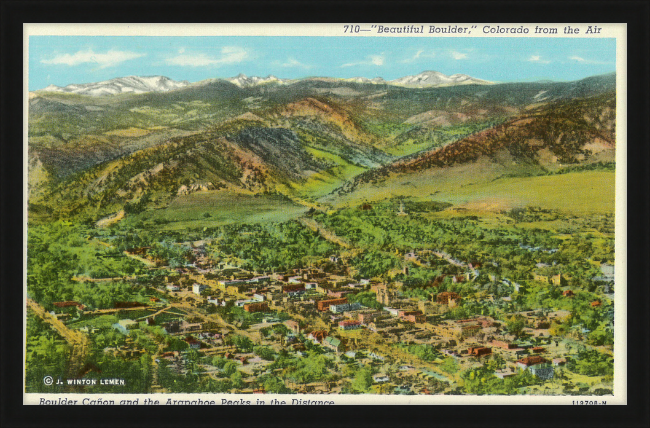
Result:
[[198, 288]]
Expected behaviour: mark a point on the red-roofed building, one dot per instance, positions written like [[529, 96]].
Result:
[[596, 303], [256, 307], [524, 363], [349, 324], [538, 366], [317, 336], [479, 351], [324, 305], [568, 293]]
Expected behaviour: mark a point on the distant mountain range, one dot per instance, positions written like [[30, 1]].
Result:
[[314, 140], [139, 85], [122, 85]]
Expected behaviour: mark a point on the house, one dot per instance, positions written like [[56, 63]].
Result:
[[538, 366], [324, 305], [125, 325], [596, 303], [351, 354], [559, 361], [543, 371], [198, 288], [293, 289], [380, 378], [368, 317], [337, 309], [503, 344], [173, 287], [193, 343], [349, 324], [128, 324], [293, 326], [504, 374], [332, 343], [256, 307], [449, 298], [412, 316], [568, 293], [375, 356], [479, 351], [317, 336], [338, 293], [456, 330], [226, 284], [392, 311]]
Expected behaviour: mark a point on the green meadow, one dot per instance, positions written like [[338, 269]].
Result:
[[214, 208]]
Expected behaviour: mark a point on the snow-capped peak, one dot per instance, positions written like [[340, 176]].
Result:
[[435, 78], [122, 85], [375, 80], [244, 81]]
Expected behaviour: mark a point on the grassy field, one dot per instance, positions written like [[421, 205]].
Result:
[[582, 192], [473, 190], [213, 208], [322, 183]]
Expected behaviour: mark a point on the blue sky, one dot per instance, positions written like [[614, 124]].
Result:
[[62, 60]]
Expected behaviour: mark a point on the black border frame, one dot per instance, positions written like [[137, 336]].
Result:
[[635, 13]]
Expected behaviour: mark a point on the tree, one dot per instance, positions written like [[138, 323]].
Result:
[[362, 380], [515, 325], [450, 365], [236, 379]]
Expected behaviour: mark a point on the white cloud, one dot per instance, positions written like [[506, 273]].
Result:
[[587, 61], [538, 59], [370, 60], [294, 63], [229, 55], [377, 59], [419, 55], [108, 59], [458, 55]]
